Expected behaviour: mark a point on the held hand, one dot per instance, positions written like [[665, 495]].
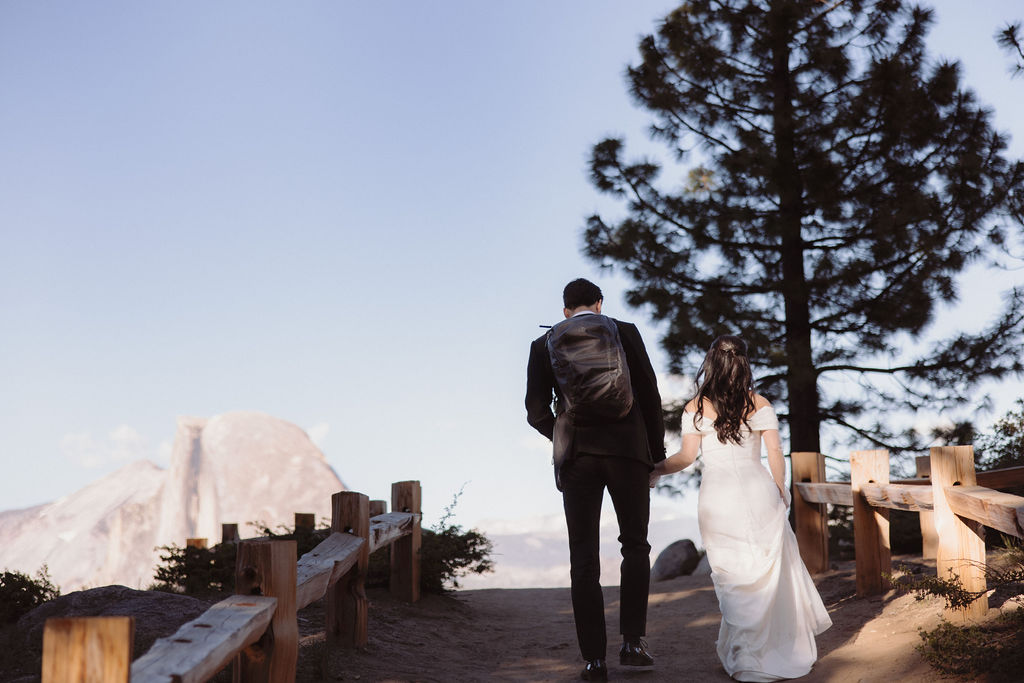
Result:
[[654, 477], [787, 498]]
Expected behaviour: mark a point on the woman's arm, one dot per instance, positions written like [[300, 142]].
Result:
[[776, 463], [679, 461]]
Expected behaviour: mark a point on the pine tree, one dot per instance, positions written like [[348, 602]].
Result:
[[1009, 38], [826, 183]]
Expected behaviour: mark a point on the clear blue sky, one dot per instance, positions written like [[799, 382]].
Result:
[[349, 215]]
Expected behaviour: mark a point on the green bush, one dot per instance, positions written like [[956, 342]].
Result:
[[994, 648], [196, 571], [447, 552], [20, 593]]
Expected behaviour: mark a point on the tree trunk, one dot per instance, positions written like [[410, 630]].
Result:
[[802, 383]]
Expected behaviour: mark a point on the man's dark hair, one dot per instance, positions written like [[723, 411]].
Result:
[[581, 292]]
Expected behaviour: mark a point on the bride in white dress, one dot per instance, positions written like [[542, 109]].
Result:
[[771, 610]]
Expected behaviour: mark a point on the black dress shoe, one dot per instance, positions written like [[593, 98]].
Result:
[[595, 670], [634, 653]]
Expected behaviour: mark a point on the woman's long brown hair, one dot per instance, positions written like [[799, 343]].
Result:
[[724, 378]]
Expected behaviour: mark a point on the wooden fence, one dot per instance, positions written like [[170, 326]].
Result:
[[955, 504], [257, 627]]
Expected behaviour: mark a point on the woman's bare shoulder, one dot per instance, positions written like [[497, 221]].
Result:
[[760, 402], [691, 406]]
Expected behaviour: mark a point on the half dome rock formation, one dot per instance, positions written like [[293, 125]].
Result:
[[242, 467], [239, 467], [103, 533]]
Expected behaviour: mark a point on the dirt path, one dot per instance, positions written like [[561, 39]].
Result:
[[528, 635]]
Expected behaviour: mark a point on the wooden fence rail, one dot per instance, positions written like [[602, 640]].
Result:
[[257, 628], [955, 503]]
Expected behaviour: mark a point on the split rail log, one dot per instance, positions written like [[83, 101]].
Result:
[[929, 539], [833, 493], [955, 504], [961, 549], [405, 552], [205, 645], [258, 627], [229, 533], [870, 524], [87, 650], [810, 517], [305, 520]]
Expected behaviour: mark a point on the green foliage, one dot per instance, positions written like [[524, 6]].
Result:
[[995, 648], [20, 593], [305, 538], [203, 571], [1005, 446], [447, 552], [825, 182], [196, 571], [1010, 39]]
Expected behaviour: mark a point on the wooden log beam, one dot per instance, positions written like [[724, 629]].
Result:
[[205, 645], [347, 615], [378, 507], [870, 524], [1005, 478], [929, 539], [324, 565], [229, 533], [961, 548], [386, 528], [833, 493], [305, 520], [1008, 477], [811, 518], [87, 649], [267, 567], [898, 496], [405, 552], [1001, 511]]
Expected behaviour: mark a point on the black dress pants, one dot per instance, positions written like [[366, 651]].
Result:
[[584, 479]]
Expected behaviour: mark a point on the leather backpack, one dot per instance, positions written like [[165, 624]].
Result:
[[590, 368]]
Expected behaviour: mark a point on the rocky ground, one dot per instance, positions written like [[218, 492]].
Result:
[[528, 635]]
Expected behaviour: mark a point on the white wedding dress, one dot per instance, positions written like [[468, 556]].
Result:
[[771, 610]]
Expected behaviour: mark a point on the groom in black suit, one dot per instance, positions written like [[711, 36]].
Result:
[[614, 454]]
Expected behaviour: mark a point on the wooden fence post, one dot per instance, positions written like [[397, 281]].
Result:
[[346, 599], [870, 525], [305, 520], [87, 650], [229, 533], [405, 552], [195, 543], [268, 568], [378, 507], [811, 518], [961, 548], [929, 539]]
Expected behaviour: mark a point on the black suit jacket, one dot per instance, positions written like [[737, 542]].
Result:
[[640, 435]]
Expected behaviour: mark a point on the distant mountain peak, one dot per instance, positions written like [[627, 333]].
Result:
[[237, 467]]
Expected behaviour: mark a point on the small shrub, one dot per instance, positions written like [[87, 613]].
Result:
[[447, 552], [995, 648], [196, 571], [20, 593]]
